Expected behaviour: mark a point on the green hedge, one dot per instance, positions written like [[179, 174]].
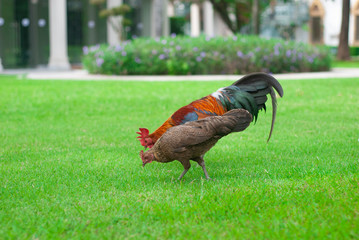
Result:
[[182, 55], [354, 51]]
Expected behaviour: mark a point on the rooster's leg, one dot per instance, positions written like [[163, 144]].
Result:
[[200, 162], [187, 166]]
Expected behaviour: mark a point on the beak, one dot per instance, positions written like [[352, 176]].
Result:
[[145, 147], [143, 164]]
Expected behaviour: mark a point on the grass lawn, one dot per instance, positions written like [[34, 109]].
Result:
[[354, 63], [69, 164]]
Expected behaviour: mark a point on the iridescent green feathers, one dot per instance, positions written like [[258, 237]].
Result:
[[264, 84], [250, 93], [233, 97]]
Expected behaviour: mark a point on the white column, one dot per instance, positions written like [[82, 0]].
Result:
[[153, 22], [195, 21], [170, 13], [208, 17], [170, 9], [165, 19], [113, 38], [58, 35]]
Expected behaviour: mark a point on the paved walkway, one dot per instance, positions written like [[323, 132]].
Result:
[[43, 74]]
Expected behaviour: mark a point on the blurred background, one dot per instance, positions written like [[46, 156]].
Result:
[[52, 33]]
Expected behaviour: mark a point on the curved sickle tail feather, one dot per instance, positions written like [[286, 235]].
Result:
[[274, 111], [260, 77], [268, 82]]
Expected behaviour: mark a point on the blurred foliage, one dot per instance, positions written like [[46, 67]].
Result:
[[182, 55], [238, 13], [115, 11], [121, 10], [97, 2]]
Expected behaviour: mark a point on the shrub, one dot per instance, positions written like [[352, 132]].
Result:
[[181, 55]]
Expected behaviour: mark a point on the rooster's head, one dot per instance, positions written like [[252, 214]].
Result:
[[144, 138]]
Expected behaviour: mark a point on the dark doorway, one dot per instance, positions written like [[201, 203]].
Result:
[[24, 31], [75, 20], [22, 22], [24, 35], [84, 27]]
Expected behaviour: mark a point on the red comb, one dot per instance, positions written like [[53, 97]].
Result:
[[143, 132]]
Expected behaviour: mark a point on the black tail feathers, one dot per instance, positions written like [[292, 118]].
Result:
[[259, 85], [260, 79]]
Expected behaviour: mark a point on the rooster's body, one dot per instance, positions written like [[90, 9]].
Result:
[[249, 93]]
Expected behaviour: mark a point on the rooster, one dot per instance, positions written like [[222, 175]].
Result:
[[192, 140], [249, 93]]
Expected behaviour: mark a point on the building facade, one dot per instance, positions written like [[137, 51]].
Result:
[[36, 33], [325, 21], [52, 33]]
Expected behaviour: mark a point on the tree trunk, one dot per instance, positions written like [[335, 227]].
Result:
[[238, 14], [343, 48], [255, 17]]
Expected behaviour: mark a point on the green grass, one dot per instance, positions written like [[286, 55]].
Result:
[[354, 63], [69, 165]]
